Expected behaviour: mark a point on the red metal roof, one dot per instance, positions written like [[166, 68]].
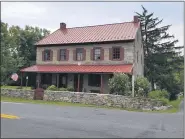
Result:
[[79, 69], [92, 34]]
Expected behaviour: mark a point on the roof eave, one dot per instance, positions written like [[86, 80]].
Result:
[[86, 43]]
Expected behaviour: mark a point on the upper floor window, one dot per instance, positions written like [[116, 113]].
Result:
[[47, 55], [97, 53], [63, 54], [116, 53], [79, 54]]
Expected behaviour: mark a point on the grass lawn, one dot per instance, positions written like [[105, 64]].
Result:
[[175, 104], [16, 87]]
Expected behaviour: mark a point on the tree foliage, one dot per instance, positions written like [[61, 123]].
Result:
[[10, 61], [17, 48], [120, 84], [160, 54]]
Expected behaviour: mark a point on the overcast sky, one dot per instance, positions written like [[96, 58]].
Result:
[[49, 14]]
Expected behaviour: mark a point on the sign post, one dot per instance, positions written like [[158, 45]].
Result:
[[26, 81]]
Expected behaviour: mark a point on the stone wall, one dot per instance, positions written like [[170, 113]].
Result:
[[103, 100], [90, 98], [26, 94]]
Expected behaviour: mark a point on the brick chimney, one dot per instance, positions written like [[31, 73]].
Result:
[[136, 19], [62, 26]]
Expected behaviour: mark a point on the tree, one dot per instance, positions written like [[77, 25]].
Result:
[[26, 39], [120, 84], [17, 47], [10, 61], [160, 55]]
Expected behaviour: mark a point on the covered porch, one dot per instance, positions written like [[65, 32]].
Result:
[[81, 82], [83, 78]]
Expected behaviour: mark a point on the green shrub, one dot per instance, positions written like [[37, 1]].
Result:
[[158, 94], [52, 88], [70, 88], [142, 86], [62, 89], [119, 84], [165, 101]]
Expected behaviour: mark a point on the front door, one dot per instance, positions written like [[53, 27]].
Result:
[[63, 80], [76, 82], [46, 79]]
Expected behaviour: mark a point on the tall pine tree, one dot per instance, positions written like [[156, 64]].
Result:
[[160, 55]]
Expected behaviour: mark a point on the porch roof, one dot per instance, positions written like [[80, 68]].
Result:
[[126, 68]]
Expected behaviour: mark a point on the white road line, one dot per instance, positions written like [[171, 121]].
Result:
[[12, 103]]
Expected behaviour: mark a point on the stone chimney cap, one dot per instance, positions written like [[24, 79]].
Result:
[[62, 25], [136, 19]]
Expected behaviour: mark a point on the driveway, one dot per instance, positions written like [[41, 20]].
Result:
[[49, 121]]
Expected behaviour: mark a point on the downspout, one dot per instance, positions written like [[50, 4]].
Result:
[[133, 81], [133, 71]]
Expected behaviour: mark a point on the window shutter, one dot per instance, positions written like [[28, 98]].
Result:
[[51, 55], [121, 53], [43, 56], [110, 53], [92, 54], [67, 54], [74, 55], [58, 55], [84, 54], [102, 54]]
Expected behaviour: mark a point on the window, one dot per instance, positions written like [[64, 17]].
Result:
[[116, 53], [94, 80], [47, 55], [79, 54], [63, 54], [97, 53]]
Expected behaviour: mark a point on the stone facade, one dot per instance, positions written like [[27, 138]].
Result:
[[132, 52], [90, 99], [138, 59], [128, 54]]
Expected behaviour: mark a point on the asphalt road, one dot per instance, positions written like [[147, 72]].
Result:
[[48, 121]]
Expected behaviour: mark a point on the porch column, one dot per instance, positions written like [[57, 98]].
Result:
[[38, 78], [132, 85], [57, 80], [101, 90], [78, 88], [21, 78]]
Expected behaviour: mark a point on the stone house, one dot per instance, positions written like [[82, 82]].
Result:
[[86, 57]]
